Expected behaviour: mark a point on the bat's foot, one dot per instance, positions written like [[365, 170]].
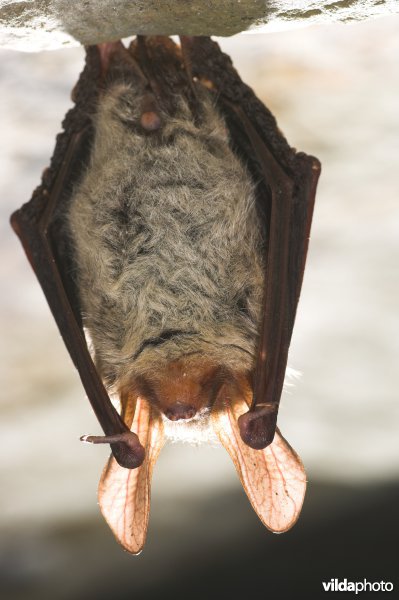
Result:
[[257, 427], [126, 447]]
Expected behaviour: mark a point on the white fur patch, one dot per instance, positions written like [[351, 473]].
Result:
[[195, 431]]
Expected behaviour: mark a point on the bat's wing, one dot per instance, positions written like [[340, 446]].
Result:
[[285, 197], [274, 478], [40, 224], [124, 494]]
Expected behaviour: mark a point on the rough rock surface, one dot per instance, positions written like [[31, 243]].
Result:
[[34, 25]]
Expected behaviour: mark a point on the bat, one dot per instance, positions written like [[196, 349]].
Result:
[[169, 235]]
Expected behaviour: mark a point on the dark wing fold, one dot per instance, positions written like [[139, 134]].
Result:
[[285, 197], [40, 226]]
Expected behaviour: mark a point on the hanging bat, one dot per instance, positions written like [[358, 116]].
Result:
[[169, 235]]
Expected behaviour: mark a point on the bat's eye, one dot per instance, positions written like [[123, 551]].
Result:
[[180, 410]]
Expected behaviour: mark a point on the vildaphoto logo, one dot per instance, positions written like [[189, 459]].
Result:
[[343, 585]]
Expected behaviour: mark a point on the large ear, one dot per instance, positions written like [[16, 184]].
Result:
[[124, 494], [274, 478]]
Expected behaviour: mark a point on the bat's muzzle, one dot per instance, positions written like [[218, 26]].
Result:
[[180, 410]]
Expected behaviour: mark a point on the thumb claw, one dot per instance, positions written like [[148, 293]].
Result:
[[126, 447]]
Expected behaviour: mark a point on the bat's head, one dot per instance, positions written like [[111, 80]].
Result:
[[186, 389], [182, 388]]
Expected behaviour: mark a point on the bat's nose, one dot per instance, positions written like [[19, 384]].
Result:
[[180, 410]]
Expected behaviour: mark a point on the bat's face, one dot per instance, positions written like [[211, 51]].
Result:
[[182, 389], [186, 393]]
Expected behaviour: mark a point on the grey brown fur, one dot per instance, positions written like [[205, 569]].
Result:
[[167, 242]]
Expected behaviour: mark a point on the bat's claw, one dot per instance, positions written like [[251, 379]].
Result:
[[87, 439], [126, 447]]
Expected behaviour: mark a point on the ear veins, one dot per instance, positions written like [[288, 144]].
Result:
[[123, 494], [273, 478]]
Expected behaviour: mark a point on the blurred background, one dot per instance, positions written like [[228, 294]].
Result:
[[334, 91]]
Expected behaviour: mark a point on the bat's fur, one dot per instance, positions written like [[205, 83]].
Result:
[[167, 241]]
